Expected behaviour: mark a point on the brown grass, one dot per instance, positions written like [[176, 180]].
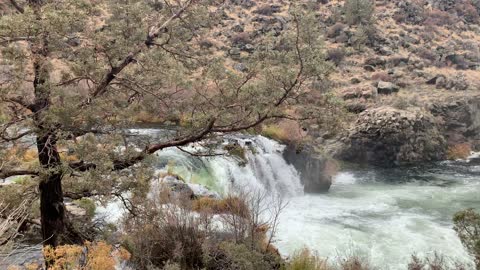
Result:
[[229, 204], [459, 151]]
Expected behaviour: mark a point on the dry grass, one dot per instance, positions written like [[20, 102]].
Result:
[[275, 132], [459, 151], [306, 260], [230, 204]]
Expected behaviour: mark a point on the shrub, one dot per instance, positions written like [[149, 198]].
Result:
[[91, 256], [411, 12], [354, 263], [171, 233], [241, 38], [266, 10], [230, 204], [231, 256], [439, 18], [359, 11], [467, 226], [468, 11], [305, 260], [88, 205], [382, 76], [365, 34], [206, 43], [168, 235], [426, 54], [403, 102], [335, 30], [436, 262], [336, 55], [459, 151]]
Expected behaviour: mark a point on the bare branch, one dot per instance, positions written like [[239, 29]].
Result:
[[123, 164], [14, 138], [5, 174]]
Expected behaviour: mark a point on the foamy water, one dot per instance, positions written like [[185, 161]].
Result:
[[385, 222]]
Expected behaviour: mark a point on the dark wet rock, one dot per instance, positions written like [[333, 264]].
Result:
[[316, 172]]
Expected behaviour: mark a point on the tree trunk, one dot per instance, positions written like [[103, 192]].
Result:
[[51, 195]]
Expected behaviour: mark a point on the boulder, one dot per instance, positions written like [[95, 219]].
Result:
[[356, 107], [376, 62], [369, 68], [240, 67], [355, 81], [316, 172], [387, 88], [390, 137], [177, 187]]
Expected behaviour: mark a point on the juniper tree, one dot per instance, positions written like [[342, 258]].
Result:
[[76, 73]]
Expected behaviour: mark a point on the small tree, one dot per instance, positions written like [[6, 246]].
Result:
[[75, 73], [359, 11], [467, 226]]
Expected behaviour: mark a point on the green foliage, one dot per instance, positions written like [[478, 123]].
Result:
[[359, 12], [467, 226], [82, 72], [88, 205]]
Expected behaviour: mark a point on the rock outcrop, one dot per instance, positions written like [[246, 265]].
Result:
[[316, 171], [460, 120], [389, 137]]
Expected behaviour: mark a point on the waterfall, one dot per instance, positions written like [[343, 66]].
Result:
[[262, 167]]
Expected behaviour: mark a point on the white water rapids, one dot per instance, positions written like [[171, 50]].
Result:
[[382, 215]]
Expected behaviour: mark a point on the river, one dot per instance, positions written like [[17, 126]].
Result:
[[383, 215]]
